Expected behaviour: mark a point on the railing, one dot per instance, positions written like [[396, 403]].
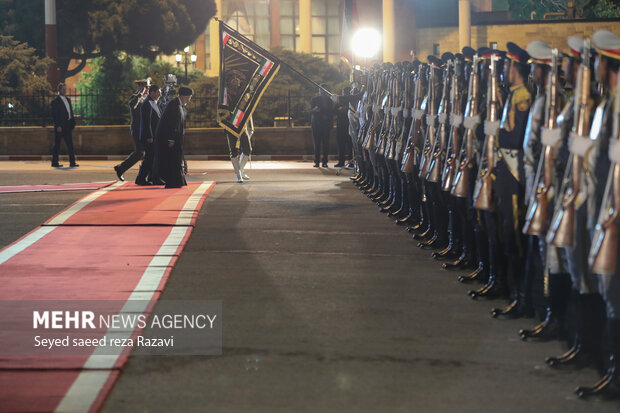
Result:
[[110, 107]]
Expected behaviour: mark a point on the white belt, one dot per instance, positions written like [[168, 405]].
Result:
[[443, 118], [418, 114], [470, 122], [550, 137], [491, 127], [614, 151], [456, 120], [430, 119], [579, 145]]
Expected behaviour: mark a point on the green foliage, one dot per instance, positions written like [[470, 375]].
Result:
[[23, 81], [92, 28], [522, 9], [21, 70]]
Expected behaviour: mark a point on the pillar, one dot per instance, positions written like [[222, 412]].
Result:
[[214, 42], [274, 9], [51, 46], [305, 20], [464, 23], [388, 31]]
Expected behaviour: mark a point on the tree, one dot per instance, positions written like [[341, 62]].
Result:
[[23, 82], [522, 9], [93, 28], [21, 70]]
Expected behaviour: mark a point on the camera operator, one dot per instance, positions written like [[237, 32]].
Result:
[[134, 128]]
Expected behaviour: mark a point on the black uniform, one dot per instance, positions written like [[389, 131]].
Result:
[[150, 114], [322, 119], [134, 130]]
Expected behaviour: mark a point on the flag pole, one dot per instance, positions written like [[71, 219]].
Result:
[[283, 63]]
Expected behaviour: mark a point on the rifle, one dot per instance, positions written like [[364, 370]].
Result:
[[483, 191], [537, 214], [409, 158], [406, 113], [562, 230], [460, 188], [456, 119], [439, 148], [431, 117], [386, 104], [604, 251], [371, 135]]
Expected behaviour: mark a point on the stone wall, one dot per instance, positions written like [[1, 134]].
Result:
[[115, 140], [553, 33]]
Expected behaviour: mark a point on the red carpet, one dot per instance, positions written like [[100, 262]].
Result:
[[119, 242], [61, 187]]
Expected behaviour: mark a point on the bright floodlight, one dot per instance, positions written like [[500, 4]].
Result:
[[366, 42]]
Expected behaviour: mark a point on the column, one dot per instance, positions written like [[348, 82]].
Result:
[[305, 19], [464, 23], [214, 42], [274, 9], [51, 47], [388, 31]]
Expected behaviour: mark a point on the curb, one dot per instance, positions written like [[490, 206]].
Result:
[[188, 157]]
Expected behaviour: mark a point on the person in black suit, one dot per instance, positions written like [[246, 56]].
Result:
[[135, 101], [64, 123], [150, 113], [168, 160], [321, 109]]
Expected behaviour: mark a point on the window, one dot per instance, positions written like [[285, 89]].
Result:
[[250, 18], [325, 26], [436, 50], [289, 24], [493, 45]]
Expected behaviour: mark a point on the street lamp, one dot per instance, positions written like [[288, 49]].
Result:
[[184, 57], [366, 42]]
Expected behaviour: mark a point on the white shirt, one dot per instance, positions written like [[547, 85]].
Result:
[[66, 102]]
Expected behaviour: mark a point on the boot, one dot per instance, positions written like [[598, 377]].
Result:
[[495, 286], [589, 311], [243, 159], [478, 274], [235, 163], [609, 383], [551, 327]]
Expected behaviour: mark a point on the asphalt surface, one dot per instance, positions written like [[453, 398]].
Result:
[[327, 307]]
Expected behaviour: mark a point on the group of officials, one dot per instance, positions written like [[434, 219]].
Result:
[[157, 129], [508, 163]]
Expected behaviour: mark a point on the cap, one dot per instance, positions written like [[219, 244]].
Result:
[[447, 56], [434, 61], [468, 53], [607, 44], [576, 46], [517, 54], [540, 52]]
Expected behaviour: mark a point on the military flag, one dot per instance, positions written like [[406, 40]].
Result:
[[246, 69]]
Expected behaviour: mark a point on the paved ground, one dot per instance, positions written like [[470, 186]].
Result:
[[328, 307]]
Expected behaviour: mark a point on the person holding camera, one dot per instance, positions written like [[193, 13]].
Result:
[[134, 128], [150, 114]]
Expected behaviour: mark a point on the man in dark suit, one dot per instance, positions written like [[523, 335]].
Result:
[[150, 113], [64, 123], [168, 160], [134, 128], [321, 108]]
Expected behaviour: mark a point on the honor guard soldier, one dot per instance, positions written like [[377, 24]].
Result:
[[509, 172], [544, 179], [603, 190]]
